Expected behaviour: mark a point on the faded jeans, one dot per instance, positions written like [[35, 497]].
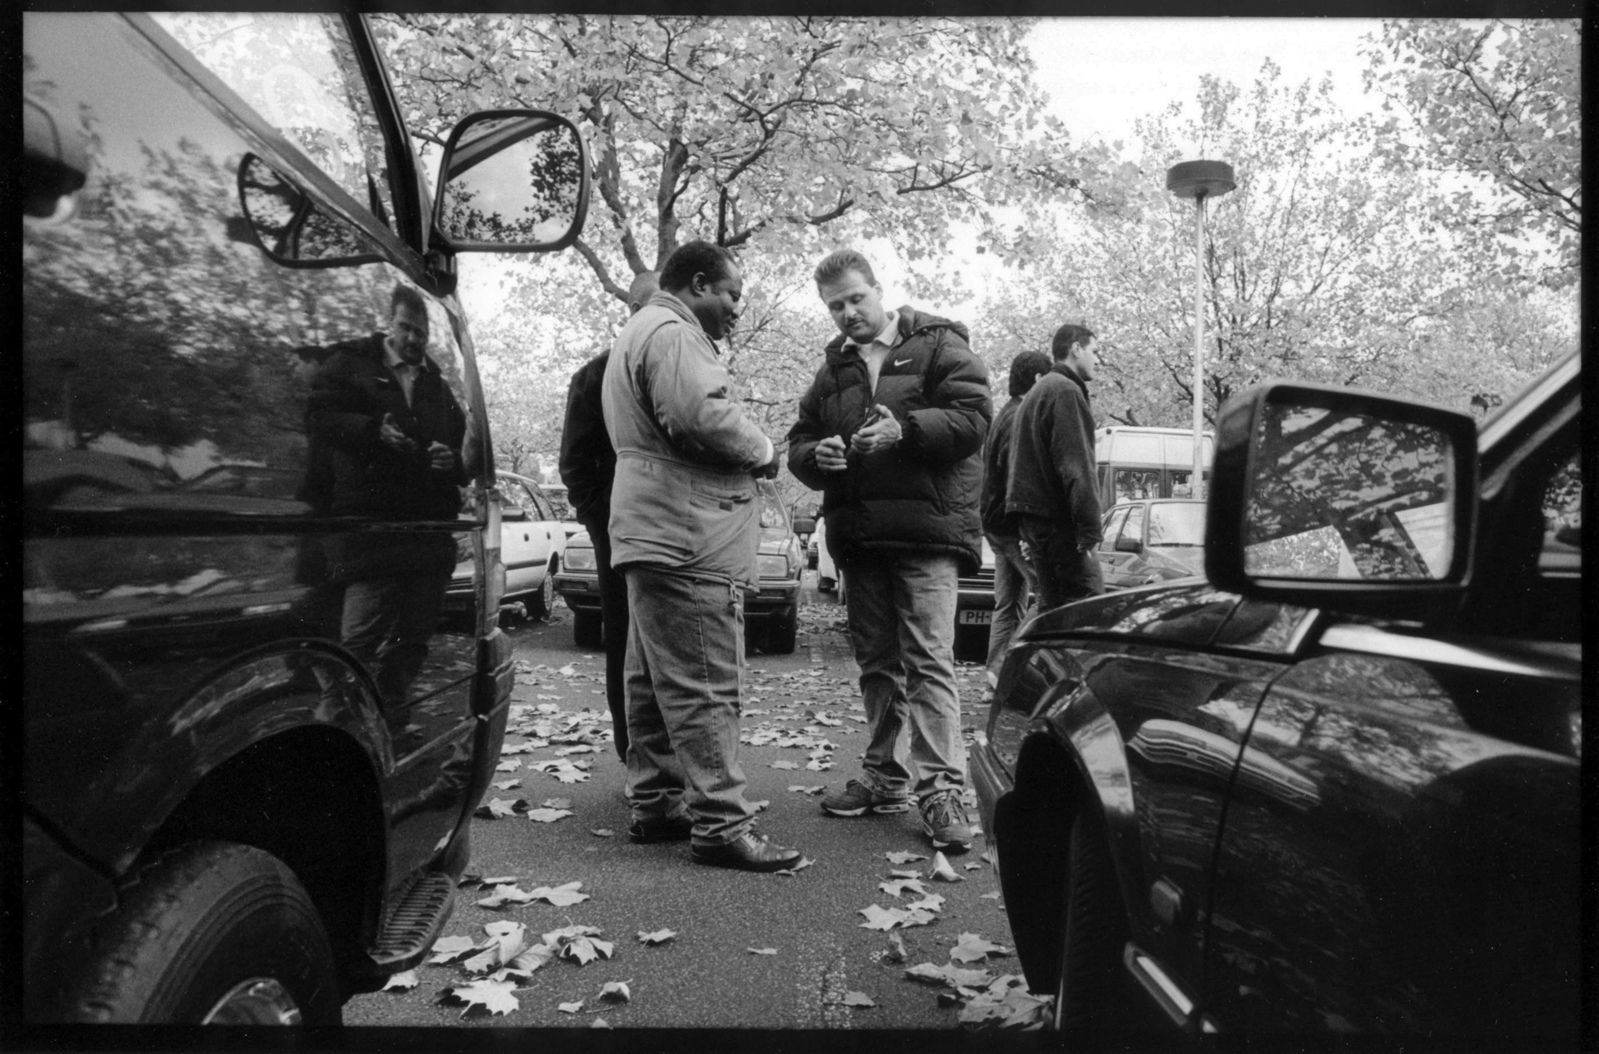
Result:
[[901, 611], [685, 655], [1013, 588]]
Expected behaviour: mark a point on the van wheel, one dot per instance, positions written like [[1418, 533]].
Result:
[[587, 631], [211, 933], [542, 603], [1093, 989]]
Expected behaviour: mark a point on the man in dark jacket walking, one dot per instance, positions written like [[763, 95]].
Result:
[[891, 432], [1052, 489], [588, 467], [1013, 578]]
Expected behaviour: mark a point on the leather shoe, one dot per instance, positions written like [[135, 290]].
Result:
[[748, 852], [663, 829]]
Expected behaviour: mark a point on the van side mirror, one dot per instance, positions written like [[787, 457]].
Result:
[[804, 525], [512, 181], [1327, 497]]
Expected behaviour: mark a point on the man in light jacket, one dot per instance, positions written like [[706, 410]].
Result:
[[1052, 489], [684, 529]]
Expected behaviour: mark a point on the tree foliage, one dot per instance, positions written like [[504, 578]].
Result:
[[1497, 100]]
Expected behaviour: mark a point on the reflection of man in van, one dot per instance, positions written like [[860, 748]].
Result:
[[388, 432]]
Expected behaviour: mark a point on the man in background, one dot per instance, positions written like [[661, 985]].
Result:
[[588, 467], [1052, 489], [1013, 578]]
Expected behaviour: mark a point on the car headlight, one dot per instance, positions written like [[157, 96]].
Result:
[[772, 566], [579, 559]]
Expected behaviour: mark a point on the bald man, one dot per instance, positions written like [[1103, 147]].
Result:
[[588, 465]]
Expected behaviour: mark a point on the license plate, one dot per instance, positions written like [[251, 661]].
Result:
[[975, 617]]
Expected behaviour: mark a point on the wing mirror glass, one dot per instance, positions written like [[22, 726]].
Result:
[[286, 224], [513, 181], [1125, 544]]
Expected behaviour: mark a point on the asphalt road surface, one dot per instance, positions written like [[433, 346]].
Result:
[[813, 964]]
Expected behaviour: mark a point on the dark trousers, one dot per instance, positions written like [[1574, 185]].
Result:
[[1063, 573], [613, 617]]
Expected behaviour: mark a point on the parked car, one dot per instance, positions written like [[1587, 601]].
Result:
[[224, 819], [557, 497], [1334, 788], [771, 614], [532, 542], [1152, 541]]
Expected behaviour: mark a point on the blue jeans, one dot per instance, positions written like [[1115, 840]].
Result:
[[685, 656], [1013, 588], [902, 624]]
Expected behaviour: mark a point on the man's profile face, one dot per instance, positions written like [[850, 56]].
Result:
[[1085, 358], [408, 333], [718, 304], [856, 306]]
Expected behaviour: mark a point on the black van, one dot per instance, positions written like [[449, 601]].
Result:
[[252, 740]]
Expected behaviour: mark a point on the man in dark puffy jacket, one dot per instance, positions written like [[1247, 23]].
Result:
[[1013, 577], [891, 432], [588, 467], [1052, 490]]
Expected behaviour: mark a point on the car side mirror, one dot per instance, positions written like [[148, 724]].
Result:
[[1125, 544], [512, 181], [285, 223], [1348, 500], [804, 525]]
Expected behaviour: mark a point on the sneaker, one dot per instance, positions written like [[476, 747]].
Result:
[[944, 821], [660, 829], [857, 799], [748, 852]]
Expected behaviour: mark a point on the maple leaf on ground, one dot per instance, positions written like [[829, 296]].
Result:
[[943, 872], [449, 949], [403, 981], [603, 832], [804, 862], [508, 766], [761, 951], [897, 873], [616, 992], [530, 960], [970, 948], [898, 886], [880, 918], [857, 999], [599, 1022], [806, 790], [567, 671], [572, 776], [990, 896], [556, 803], [931, 902], [569, 1008], [1007, 1004], [494, 997], [785, 765], [504, 895], [506, 785], [915, 917], [499, 880], [548, 815], [563, 896], [658, 937], [904, 858], [948, 974], [499, 808]]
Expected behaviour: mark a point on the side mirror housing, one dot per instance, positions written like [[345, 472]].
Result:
[[512, 181], [1129, 545], [1347, 500], [804, 525]]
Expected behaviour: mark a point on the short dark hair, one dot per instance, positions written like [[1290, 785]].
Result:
[[692, 258], [404, 294], [1067, 335], [837, 264], [1025, 369]]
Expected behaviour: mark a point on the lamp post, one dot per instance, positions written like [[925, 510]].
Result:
[[1199, 180]]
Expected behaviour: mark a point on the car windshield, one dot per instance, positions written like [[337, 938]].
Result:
[[1177, 523]]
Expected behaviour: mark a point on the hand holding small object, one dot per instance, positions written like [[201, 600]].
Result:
[[830, 455]]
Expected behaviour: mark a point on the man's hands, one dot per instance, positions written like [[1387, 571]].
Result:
[[440, 457], [880, 432], [830, 454]]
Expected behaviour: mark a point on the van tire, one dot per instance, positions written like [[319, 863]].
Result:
[[193, 928]]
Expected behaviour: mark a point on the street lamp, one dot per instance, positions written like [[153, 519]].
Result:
[[1199, 180]]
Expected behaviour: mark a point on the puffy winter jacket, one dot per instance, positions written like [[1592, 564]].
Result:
[[921, 494]]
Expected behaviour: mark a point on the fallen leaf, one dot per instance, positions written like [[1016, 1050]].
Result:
[[761, 951], [503, 895], [494, 997], [970, 948], [556, 803], [561, 896], [548, 815], [931, 902], [948, 974], [904, 858], [857, 999], [498, 808], [807, 790], [508, 766], [506, 785], [565, 671], [658, 937], [531, 959], [570, 1008], [879, 918], [499, 880], [785, 765], [616, 992], [404, 981], [973, 867], [943, 872], [896, 949], [603, 832], [572, 776], [599, 1022], [896, 873], [990, 896], [804, 862], [760, 806], [898, 886], [1007, 1004], [446, 949]]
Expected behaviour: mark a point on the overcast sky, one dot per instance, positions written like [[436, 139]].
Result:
[[1103, 73]]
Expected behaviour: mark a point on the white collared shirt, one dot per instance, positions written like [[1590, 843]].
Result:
[[877, 351], [404, 371]]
